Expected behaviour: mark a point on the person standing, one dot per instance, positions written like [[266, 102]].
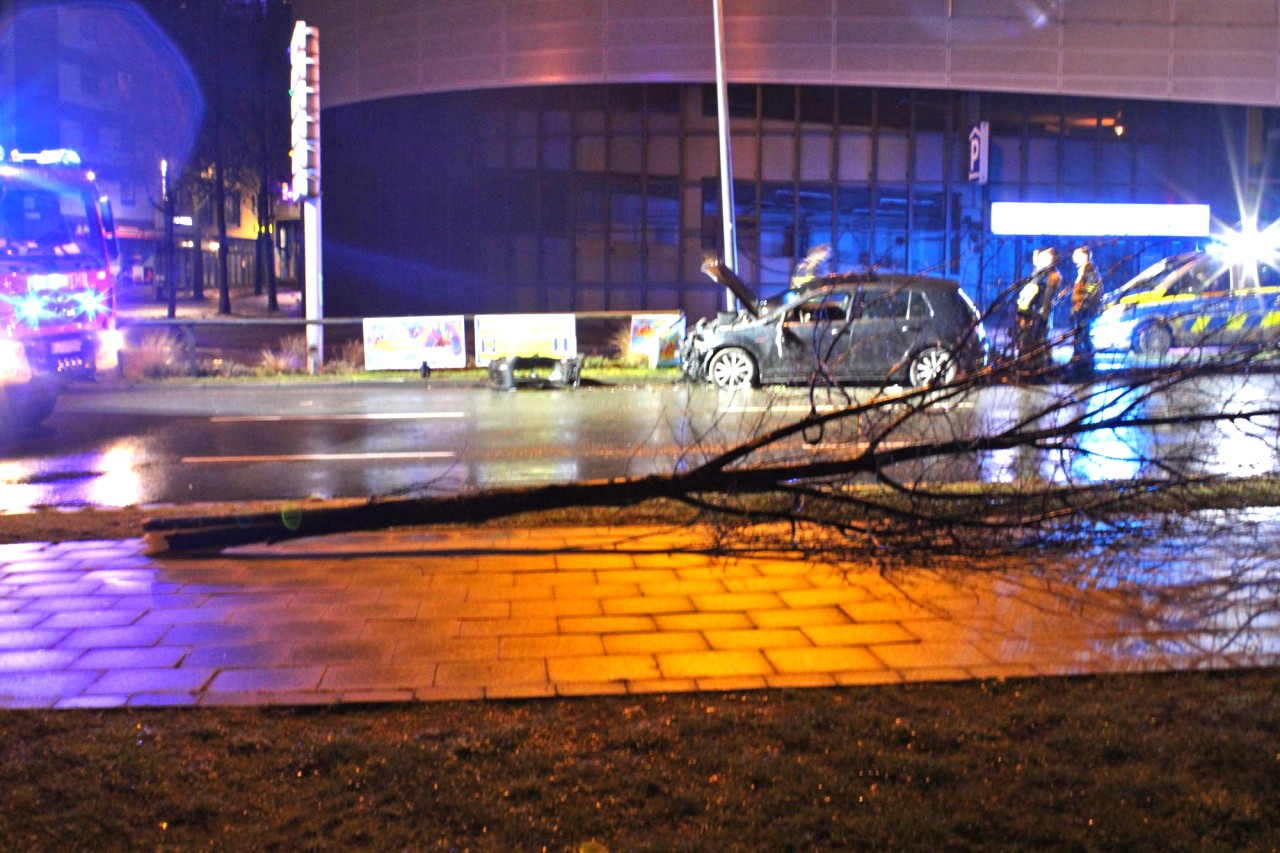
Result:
[[1034, 303], [1086, 304]]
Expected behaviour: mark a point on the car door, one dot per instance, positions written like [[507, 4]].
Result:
[[1206, 306], [1265, 303], [813, 338], [1253, 296], [882, 332]]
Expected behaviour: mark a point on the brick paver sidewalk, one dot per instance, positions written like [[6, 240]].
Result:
[[460, 614]]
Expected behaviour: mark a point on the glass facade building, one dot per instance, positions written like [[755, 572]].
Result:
[[606, 197]]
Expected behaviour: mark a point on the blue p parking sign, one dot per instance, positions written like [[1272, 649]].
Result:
[[978, 136]]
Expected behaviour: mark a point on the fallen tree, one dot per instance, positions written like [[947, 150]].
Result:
[[870, 492]]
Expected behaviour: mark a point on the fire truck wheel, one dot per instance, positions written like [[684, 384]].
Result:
[[36, 412], [22, 412], [7, 430]]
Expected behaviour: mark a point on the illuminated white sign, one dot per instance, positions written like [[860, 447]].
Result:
[[506, 335], [1099, 220]]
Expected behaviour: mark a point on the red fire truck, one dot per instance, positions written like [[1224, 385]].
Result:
[[57, 297]]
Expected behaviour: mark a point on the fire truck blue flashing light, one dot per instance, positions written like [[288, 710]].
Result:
[[91, 303], [31, 309]]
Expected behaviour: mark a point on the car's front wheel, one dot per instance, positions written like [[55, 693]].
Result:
[[1153, 340], [733, 368], [931, 366]]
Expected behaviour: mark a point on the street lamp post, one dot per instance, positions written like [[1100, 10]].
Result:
[[727, 217]]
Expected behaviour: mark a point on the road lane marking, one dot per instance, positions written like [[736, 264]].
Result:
[[366, 416], [821, 408], [321, 457]]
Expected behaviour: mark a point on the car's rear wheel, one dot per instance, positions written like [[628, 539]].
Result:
[[733, 368], [1153, 340], [931, 366]]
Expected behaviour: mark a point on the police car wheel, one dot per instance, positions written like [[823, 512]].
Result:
[[733, 368], [1152, 340], [932, 366]]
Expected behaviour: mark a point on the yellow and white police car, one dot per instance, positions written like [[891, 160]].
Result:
[[1194, 299]]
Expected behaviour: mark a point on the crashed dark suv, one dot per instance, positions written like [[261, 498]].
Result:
[[848, 327]]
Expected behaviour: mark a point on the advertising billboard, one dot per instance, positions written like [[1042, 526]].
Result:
[[407, 343]]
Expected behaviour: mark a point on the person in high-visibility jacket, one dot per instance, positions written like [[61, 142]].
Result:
[[1086, 303], [1034, 303]]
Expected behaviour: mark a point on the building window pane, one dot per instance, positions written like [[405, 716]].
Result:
[[891, 164]]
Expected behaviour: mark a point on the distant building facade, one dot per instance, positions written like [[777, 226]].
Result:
[[546, 156], [63, 85], [106, 80]]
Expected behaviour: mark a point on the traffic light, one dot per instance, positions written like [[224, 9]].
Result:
[[304, 107]]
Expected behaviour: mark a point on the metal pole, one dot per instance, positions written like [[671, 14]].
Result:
[[314, 276], [305, 55], [726, 156]]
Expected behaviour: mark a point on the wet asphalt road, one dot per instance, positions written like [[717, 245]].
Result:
[[119, 447], [179, 443]]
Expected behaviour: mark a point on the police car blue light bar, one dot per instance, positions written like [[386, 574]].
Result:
[[1075, 219]]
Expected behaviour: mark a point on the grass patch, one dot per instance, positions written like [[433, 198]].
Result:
[[280, 366], [1188, 761], [1178, 762]]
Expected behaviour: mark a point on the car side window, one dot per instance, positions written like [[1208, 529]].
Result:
[[819, 309], [920, 307], [1200, 283], [1267, 277], [886, 304], [1220, 283]]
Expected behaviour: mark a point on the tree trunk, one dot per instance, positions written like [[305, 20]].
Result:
[[204, 533], [219, 182], [197, 268], [220, 200], [265, 270], [265, 254]]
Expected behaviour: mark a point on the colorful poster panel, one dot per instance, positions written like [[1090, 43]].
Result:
[[407, 343], [658, 336]]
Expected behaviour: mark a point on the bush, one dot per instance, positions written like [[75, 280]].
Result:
[[350, 358], [156, 356], [290, 356], [620, 341]]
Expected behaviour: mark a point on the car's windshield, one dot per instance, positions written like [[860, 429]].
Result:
[[38, 223], [782, 297], [1174, 274]]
